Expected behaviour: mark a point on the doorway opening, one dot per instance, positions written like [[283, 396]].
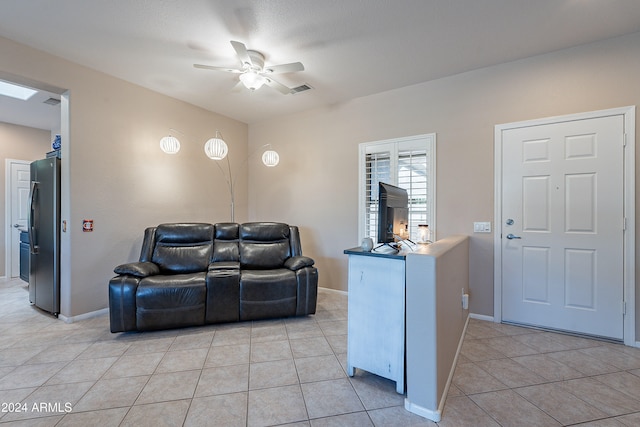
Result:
[[28, 128]]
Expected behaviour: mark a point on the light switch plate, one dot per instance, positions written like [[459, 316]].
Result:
[[482, 227]]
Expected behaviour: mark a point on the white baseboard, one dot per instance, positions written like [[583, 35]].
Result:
[[443, 398], [434, 416], [437, 414], [333, 290], [482, 317], [84, 316]]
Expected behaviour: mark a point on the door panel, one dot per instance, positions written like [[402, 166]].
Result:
[[580, 209], [536, 204], [535, 275], [580, 289], [562, 185]]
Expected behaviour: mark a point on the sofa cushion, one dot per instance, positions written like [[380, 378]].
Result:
[[225, 251], [264, 245], [263, 255], [171, 301], [225, 246], [227, 230], [264, 231], [267, 293], [183, 248]]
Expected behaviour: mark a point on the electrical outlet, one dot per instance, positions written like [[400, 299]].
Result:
[[465, 301], [482, 227]]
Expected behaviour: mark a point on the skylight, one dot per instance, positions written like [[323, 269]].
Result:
[[16, 91]]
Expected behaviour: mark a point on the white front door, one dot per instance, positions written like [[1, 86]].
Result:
[[562, 230], [19, 208]]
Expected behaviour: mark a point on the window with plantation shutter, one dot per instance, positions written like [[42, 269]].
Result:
[[378, 169], [408, 163]]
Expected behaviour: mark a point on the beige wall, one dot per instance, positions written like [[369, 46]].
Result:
[[118, 177], [17, 143], [116, 174], [316, 186]]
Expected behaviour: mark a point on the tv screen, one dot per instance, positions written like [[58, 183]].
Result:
[[393, 212]]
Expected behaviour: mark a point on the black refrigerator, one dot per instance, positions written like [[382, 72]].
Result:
[[44, 235]]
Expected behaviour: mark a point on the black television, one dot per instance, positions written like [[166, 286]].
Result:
[[393, 212]]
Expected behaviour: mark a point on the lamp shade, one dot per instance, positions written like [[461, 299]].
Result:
[[170, 144], [216, 148], [252, 80], [270, 158]]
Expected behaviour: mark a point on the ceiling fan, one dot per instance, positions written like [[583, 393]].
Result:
[[253, 73]]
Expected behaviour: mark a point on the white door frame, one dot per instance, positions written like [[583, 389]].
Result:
[[8, 258], [629, 114]]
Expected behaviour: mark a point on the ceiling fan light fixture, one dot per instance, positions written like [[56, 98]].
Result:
[[216, 148], [252, 80]]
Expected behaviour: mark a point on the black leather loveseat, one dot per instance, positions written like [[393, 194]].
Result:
[[194, 274]]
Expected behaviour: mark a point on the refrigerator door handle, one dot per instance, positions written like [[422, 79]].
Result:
[[32, 225]]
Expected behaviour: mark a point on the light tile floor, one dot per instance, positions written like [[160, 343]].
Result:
[[291, 372]]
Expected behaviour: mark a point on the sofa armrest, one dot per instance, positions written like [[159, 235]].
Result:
[[307, 295], [297, 262], [122, 303], [137, 269]]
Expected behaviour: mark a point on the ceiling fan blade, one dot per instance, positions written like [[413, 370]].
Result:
[[284, 68], [241, 50], [278, 86], [213, 67]]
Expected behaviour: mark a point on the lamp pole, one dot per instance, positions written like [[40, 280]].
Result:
[[231, 179]]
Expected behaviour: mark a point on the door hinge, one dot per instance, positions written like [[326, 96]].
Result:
[[624, 308], [624, 139], [624, 223]]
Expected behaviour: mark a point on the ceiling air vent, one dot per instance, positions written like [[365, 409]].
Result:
[[52, 101], [300, 88]]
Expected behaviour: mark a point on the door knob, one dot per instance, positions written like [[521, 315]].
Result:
[[511, 236], [16, 225]]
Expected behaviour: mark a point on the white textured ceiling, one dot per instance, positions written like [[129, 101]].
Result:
[[350, 48]]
